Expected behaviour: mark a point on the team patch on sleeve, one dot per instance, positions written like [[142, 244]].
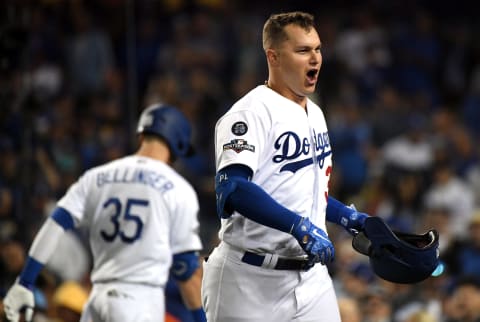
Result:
[[239, 128], [238, 145]]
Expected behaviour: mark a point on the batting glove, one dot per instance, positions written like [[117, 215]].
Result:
[[355, 222], [18, 297], [314, 241]]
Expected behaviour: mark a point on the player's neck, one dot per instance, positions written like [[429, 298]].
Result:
[[155, 150], [287, 93]]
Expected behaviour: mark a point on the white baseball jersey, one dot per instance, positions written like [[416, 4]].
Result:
[[138, 212], [289, 152]]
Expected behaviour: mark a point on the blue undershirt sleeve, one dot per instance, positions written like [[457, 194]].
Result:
[[336, 211], [253, 202]]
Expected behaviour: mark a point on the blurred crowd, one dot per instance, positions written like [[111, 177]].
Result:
[[400, 87]]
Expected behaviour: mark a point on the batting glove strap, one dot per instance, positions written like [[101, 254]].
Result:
[[314, 241], [18, 297]]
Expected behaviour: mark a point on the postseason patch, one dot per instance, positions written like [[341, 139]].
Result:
[[238, 145], [239, 128]]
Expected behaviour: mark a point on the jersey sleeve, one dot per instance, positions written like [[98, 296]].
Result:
[[239, 139], [184, 233], [75, 198]]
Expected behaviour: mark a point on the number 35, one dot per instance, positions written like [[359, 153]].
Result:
[[122, 216]]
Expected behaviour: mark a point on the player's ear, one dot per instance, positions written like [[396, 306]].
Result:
[[272, 56]]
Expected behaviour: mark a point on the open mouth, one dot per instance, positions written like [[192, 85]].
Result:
[[312, 75]]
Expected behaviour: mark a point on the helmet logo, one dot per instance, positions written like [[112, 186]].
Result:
[[147, 120]]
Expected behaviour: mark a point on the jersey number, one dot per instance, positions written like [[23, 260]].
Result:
[[327, 174], [121, 218]]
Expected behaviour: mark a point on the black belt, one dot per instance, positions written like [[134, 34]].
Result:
[[282, 263]]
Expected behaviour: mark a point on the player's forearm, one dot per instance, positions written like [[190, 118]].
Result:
[[190, 290], [41, 250], [336, 210], [346, 216], [44, 245], [189, 280], [252, 201]]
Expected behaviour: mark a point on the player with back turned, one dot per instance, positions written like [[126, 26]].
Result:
[[273, 161], [140, 228]]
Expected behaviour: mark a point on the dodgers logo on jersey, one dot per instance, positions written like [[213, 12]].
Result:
[[238, 145], [239, 128], [292, 147]]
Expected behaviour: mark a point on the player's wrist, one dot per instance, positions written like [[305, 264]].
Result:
[[300, 229], [346, 216], [199, 315], [29, 273], [25, 283], [360, 219], [356, 220]]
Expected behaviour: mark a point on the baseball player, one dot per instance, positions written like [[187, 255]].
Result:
[[273, 161], [141, 217]]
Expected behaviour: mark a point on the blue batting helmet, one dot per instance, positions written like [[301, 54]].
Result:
[[395, 256], [170, 124]]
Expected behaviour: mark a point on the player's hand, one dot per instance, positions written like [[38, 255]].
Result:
[[314, 242], [355, 223], [18, 297]]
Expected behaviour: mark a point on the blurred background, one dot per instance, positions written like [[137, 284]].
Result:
[[399, 85]]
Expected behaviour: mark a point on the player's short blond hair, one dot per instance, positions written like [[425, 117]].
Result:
[[274, 28]]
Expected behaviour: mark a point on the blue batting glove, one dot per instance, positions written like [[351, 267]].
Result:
[[314, 241]]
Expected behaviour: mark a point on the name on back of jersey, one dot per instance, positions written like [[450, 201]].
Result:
[[135, 176]]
